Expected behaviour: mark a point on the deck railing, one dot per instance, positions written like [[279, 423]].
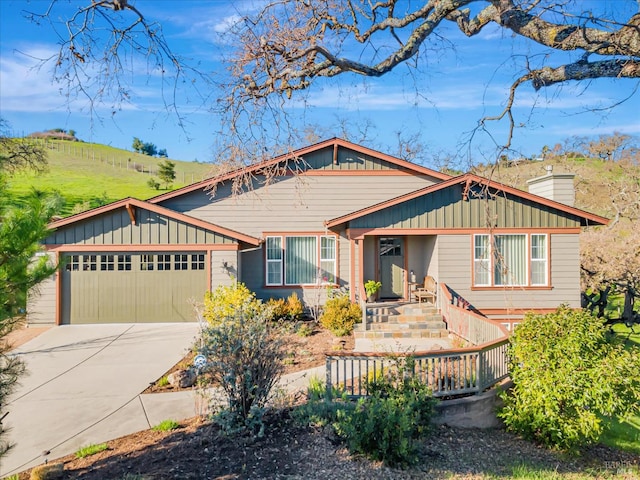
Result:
[[452, 372], [448, 372]]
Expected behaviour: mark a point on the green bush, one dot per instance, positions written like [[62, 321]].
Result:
[[386, 425], [166, 425], [91, 450], [339, 315], [225, 301], [569, 377], [245, 355]]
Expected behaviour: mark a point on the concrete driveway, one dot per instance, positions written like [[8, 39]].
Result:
[[83, 387]]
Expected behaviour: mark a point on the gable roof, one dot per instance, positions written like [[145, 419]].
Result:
[[333, 142], [469, 179], [131, 203]]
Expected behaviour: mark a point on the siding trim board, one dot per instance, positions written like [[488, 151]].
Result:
[[142, 248], [359, 233]]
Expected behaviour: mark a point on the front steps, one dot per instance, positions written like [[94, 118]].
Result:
[[402, 328]]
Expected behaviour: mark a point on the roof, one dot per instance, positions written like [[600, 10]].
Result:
[[131, 203], [469, 179], [333, 142]]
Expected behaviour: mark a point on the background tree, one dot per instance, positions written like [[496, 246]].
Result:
[[167, 172], [288, 46], [23, 224]]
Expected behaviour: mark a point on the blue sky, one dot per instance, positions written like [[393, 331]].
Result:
[[442, 102]]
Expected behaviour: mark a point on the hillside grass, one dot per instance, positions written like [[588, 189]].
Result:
[[88, 175]]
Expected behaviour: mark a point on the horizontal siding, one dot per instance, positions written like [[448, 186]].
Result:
[[447, 209], [455, 267], [224, 268], [298, 203], [41, 303], [115, 228]]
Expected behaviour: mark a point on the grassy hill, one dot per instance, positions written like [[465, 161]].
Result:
[[88, 175], [595, 179]]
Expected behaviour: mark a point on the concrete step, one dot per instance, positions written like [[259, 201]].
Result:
[[401, 345]]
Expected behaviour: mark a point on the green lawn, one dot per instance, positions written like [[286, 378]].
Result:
[[99, 174], [625, 435]]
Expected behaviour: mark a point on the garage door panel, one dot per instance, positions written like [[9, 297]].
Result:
[[132, 287]]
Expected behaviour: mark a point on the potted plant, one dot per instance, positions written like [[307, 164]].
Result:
[[371, 287]]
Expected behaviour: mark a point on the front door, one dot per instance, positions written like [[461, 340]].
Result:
[[391, 251]]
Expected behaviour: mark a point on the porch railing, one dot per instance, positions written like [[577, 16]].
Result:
[[466, 323], [452, 372], [448, 373]]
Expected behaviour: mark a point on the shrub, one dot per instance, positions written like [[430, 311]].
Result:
[[244, 357], [386, 425], [568, 378], [290, 309], [340, 315], [225, 301]]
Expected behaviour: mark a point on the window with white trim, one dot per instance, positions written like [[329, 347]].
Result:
[[506, 260], [300, 259], [274, 260]]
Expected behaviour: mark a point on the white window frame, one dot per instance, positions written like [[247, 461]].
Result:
[[528, 249], [324, 261], [544, 260], [278, 262]]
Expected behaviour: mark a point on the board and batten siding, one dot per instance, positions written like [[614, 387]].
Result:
[[347, 160], [455, 269], [115, 228], [294, 203], [446, 208], [41, 300]]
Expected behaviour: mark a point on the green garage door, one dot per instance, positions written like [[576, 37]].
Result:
[[132, 287]]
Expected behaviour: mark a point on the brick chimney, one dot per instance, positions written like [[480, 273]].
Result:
[[554, 186]]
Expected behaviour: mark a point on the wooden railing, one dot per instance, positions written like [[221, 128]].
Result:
[[448, 372], [466, 323]]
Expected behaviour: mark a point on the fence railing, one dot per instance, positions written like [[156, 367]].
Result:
[[448, 373]]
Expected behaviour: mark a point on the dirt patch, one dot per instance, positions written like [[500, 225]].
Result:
[[302, 353], [23, 333], [289, 450]]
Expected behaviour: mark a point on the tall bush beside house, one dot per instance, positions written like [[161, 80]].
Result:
[[569, 377], [340, 315]]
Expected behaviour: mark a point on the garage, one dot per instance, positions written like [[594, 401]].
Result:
[[132, 287], [133, 262]]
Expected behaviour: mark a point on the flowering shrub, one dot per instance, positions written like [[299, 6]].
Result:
[[340, 315], [225, 301]]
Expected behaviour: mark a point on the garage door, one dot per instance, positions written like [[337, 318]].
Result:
[[132, 287]]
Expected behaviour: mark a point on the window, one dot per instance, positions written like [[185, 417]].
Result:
[[274, 260], [107, 263], [539, 260], [505, 260], [300, 260], [164, 262], [328, 259], [89, 263], [181, 261], [73, 263], [124, 262], [146, 262], [197, 261]]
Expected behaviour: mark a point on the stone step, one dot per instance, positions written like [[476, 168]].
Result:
[[426, 333], [405, 318], [431, 325]]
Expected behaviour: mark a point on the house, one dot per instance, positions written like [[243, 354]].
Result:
[[331, 214]]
